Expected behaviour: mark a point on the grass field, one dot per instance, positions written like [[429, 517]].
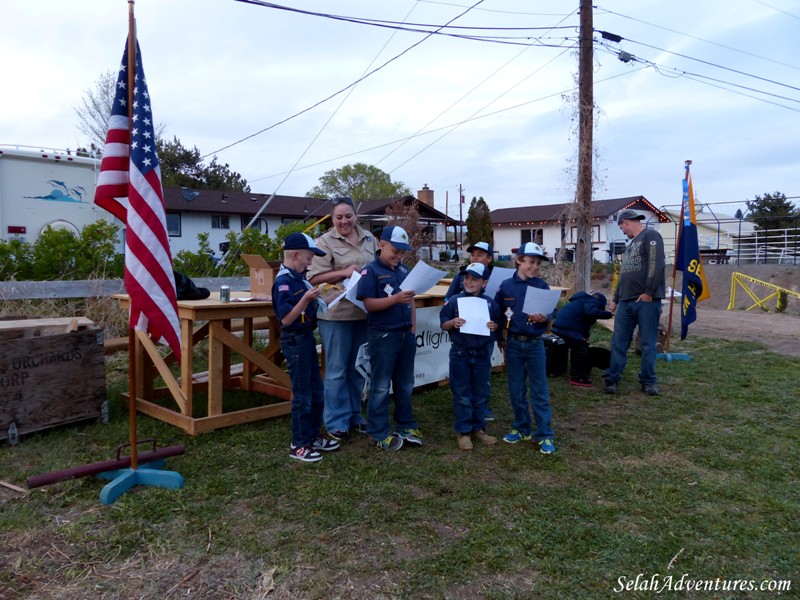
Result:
[[701, 481]]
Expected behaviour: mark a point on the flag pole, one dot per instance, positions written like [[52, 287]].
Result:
[[675, 270], [666, 354], [132, 394]]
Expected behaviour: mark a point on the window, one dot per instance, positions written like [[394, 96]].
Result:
[[573, 234], [260, 223], [220, 222], [531, 235], [174, 224]]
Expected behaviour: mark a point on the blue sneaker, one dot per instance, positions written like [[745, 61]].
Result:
[[411, 436], [489, 416], [546, 446], [515, 436], [392, 443]]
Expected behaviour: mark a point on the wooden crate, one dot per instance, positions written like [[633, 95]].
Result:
[[52, 372]]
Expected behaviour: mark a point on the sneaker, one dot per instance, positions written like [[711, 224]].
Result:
[[304, 453], [340, 435], [515, 436], [546, 446], [489, 416], [610, 387], [580, 381], [361, 427], [651, 389], [464, 441], [411, 436], [325, 444], [392, 443], [484, 437]]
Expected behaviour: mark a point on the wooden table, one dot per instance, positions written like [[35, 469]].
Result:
[[211, 319]]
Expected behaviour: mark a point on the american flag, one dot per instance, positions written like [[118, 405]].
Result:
[[129, 187]]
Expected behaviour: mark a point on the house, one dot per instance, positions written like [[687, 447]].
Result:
[[548, 225], [718, 235], [190, 212]]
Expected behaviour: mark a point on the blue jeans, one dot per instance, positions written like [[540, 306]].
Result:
[[469, 382], [526, 361], [391, 360], [630, 314], [343, 383], [308, 395]]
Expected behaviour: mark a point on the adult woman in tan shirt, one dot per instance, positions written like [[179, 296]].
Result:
[[343, 328]]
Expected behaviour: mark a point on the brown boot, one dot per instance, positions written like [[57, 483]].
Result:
[[464, 442], [484, 437]]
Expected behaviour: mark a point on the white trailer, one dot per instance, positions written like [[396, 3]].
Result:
[[46, 188]]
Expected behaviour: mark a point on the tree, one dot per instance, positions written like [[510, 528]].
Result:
[[94, 109], [479, 222], [772, 211], [183, 167], [739, 215], [361, 182], [405, 214]]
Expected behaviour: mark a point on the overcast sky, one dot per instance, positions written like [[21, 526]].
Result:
[[489, 116]]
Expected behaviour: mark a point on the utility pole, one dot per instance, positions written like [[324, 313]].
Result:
[[460, 220], [583, 196]]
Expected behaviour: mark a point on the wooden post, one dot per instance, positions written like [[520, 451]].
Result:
[[583, 196]]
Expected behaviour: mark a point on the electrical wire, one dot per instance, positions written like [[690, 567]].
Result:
[[702, 79], [508, 62], [699, 39], [445, 127], [344, 89]]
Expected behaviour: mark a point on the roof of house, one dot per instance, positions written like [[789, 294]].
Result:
[[374, 208], [299, 207], [247, 203], [552, 213]]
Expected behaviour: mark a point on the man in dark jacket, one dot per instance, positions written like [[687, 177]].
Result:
[[574, 323], [637, 301]]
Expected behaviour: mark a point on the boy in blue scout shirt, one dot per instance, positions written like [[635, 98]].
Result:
[[470, 360], [479, 252], [391, 321], [574, 323], [295, 303], [524, 351]]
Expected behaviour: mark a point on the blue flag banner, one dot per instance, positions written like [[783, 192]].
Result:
[[688, 260]]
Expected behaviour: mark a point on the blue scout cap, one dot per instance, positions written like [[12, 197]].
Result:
[[531, 249], [477, 270], [481, 246], [300, 241], [397, 237]]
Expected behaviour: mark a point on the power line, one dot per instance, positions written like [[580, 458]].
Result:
[[445, 127], [699, 39], [699, 78], [344, 89]]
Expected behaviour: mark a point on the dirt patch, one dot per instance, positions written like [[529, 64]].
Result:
[[779, 332]]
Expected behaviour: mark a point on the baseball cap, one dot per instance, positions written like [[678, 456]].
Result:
[[477, 270], [300, 241], [630, 215], [397, 237], [481, 246], [531, 249]]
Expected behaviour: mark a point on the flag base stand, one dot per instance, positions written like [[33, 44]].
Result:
[[124, 479], [670, 356]]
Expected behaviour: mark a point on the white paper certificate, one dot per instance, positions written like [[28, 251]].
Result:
[[498, 276], [539, 301], [351, 291], [475, 311], [422, 278]]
